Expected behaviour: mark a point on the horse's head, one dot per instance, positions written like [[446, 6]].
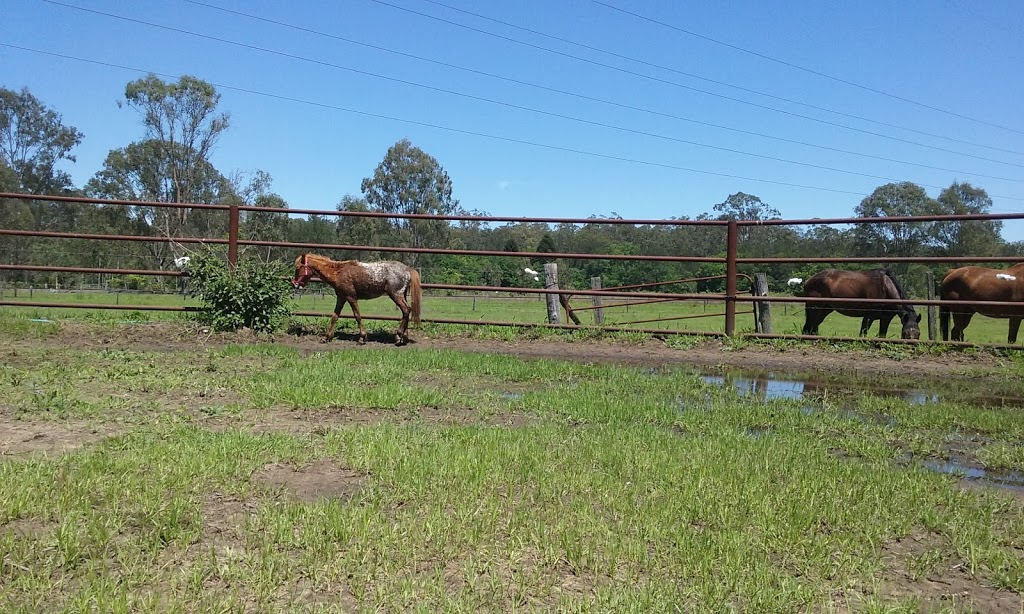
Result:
[[910, 319], [303, 272]]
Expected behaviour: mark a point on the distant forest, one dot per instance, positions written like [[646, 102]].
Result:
[[170, 163]]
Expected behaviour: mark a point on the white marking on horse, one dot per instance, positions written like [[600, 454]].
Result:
[[1006, 277], [378, 271]]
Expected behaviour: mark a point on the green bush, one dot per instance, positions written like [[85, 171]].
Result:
[[255, 295]]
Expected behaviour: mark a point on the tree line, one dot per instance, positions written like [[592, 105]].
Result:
[[182, 123]]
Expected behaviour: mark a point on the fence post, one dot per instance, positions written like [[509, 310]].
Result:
[[730, 278], [233, 236], [551, 283], [595, 284], [764, 310], [933, 310]]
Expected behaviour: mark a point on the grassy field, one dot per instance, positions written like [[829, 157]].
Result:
[[255, 477], [787, 318]]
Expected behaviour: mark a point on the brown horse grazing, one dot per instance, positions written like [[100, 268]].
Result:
[[975, 283], [353, 280], [874, 284]]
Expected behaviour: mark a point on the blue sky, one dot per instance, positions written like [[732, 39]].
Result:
[[625, 137]]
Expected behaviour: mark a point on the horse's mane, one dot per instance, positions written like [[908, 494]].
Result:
[[899, 287]]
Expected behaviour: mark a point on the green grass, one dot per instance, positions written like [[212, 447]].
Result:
[[787, 318], [626, 489]]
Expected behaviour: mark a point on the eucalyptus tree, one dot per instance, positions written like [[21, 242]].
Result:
[[408, 180]]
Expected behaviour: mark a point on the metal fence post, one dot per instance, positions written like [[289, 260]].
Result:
[[730, 278], [233, 236]]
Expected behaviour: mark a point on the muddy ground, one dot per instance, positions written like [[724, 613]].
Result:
[[805, 357]]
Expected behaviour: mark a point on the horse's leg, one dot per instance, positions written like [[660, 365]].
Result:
[[359, 321], [338, 306], [813, 317], [960, 321], [865, 324], [401, 337], [883, 325], [1014, 329]]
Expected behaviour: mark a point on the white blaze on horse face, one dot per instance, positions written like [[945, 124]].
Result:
[[1006, 277]]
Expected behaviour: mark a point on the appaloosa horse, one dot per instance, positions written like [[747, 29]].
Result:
[[873, 284], [353, 280], [975, 283]]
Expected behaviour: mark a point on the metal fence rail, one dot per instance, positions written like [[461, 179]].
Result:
[[732, 260]]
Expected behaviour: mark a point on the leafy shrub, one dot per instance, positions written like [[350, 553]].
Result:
[[255, 295]]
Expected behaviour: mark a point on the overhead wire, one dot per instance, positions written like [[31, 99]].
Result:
[[547, 146], [702, 91], [461, 94], [812, 71], [585, 96]]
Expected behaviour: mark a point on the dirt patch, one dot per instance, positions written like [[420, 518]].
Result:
[[46, 438], [808, 357], [918, 566], [322, 479]]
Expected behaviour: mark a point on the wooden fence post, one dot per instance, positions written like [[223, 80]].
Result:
[[595, 284], [764, 308], [933, 310], [551, 283]]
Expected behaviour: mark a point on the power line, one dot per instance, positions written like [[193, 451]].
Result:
[[706, 92], [455, 130], [586, 97], [460, 94], [802, 68]]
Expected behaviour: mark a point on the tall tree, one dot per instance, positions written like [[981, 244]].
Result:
[[747, 207], [253, 190], [358, 230], [140, 172], [182, 123], [409, 180], [972, 237], [33, 140], [895, 238]]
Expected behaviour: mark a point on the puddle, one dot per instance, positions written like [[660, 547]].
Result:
[[1012, 480], [770, 385], [511, 396]]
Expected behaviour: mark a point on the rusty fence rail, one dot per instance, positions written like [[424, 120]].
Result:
[[732, 260]]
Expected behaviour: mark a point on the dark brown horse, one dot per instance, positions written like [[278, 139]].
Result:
[[874, 284], [975, 283], [353, 280]]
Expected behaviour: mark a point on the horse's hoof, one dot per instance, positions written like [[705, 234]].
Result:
[[361, 341], [325, 340]]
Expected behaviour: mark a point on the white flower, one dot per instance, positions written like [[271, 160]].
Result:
[[181, 262], [530, 271]]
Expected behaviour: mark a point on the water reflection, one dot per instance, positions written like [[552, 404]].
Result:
[[1012, 480], [769, 385]]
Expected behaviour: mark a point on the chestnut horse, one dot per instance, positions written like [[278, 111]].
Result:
[[975, 283], [353, 280], [876, 283]]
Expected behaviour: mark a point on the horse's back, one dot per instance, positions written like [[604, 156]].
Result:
[[837, 283], [974, 283]]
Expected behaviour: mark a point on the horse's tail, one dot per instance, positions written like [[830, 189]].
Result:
[[416, 290]]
